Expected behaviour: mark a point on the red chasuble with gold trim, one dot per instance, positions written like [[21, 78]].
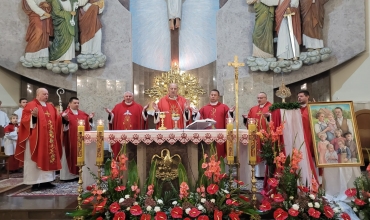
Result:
[[70, 138], [307, 129], [219, 113], [44, 138], [257, 113], [171, 106]]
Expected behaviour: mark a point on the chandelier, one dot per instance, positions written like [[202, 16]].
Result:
[[188, 85]]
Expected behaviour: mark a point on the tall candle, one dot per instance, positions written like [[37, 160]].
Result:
[[252, 141], [80, 143], [230, 140], [100, 142]]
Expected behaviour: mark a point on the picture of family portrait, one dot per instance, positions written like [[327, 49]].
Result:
[[334, 134]]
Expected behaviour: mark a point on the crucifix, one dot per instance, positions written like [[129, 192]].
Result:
[[236, 66]]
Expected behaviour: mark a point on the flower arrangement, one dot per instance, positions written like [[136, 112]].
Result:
[[361, 195], [287, 202], [215, 196]]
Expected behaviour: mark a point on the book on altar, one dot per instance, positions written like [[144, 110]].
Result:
[[201, 124]]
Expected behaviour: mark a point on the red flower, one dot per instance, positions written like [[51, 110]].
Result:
[[293, 212], [231, 202], [100, 218], [176, 212], [280, 214], [212, 189], [304, 189], [194, 212], [104, 178], [160, 215], [234, 216], [265, 206], [351, 192], [120, 188], [145, 217], [89, 188], [187, 218], [272, 182], [368, 168], [203, 217], [217, 215], [239, 182], [359, 202], [328, 211], [88, 200], [314, 213], [345, 216], [114, 207], [278, 198], [136, 210], [119, 216], [100, 207], [244, 198]]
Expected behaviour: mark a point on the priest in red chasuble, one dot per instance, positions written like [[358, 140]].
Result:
[[127, 115], [172, 104], [70, 118], [217, 111], [39, 141], [261, 113]]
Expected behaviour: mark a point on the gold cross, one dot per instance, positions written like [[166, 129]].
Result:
[[235, 64], [47, 113]]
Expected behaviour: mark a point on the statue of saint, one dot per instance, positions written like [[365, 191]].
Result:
[[174, 13], [312, 12], [39, 30]]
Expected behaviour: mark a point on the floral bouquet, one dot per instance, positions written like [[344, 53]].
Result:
[[287, 202], [361, 195]]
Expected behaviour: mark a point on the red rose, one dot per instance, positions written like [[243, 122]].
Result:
[[114, 207], [314, 213], [136, 210], [280, 214], [176, 212], [359, 202], [99, 218], [351, 192], [120, 188], [160, 215], [304, 189], [234, 216], [203, 217], [345, 216], [194, 212], [145, 217], [293, 212], [272, 182], [212, 189], [119, 216], [217, 214], [328, 211], [265, 206], [278, 198]]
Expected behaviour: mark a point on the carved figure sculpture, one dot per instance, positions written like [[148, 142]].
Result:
[[174, 13]]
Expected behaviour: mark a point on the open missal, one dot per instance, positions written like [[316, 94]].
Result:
[[201, 124]]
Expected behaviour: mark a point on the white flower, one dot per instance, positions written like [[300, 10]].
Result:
[[149, 208], [121, 200], [160, 201], [213, 200], [202, 200], [127, 196], [295, 207], [317, 205], [312, 196], [336, 210], [174, 203], [136, 203], [272, 195], [187, 210], [157, 209], [104, 190], [200, 207], [355, 209], [310, 204], [225, 191], [369, 199], [128, 209], [291, 198]]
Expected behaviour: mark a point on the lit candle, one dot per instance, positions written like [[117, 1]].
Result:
[[80, 143], [252, 141], [230, 140], [100, 142]]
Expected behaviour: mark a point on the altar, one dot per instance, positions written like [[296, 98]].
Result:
[[143, 144]]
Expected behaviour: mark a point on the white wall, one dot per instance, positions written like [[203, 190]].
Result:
[[10, 84], [351, 80]]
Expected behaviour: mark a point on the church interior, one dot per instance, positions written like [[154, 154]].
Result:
[[101, 50]]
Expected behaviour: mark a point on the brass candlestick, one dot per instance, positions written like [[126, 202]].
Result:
[[162, 115], [80, 191]]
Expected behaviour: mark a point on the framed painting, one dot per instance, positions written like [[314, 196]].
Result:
[[335, 135]]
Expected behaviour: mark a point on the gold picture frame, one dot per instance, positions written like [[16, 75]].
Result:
[[335, 135]]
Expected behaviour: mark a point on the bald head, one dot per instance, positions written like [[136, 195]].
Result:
[[172, 90], [42, 94]]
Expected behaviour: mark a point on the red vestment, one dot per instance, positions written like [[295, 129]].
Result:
[[171, 106], [44, 138], [70, 138], [126, 117], [13, 164], [219, 113], [257, 113]]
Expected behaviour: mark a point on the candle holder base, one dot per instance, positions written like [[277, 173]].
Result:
[[80, 189], [98, 181], [254, 187]]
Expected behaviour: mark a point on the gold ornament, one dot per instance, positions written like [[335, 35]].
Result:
[[283, 92], [167, 165]]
